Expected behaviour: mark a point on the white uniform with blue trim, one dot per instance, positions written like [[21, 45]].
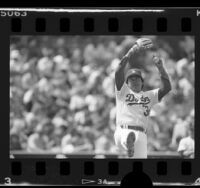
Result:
[[133, 109]]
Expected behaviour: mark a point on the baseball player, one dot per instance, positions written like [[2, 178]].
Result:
[[133, 104]]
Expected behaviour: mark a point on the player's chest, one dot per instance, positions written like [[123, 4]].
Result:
[[132, 99]]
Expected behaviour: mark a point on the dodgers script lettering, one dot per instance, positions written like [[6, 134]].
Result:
[[144, 101]]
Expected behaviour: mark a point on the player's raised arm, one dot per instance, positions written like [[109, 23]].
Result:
[[140, 44], [166, 84]]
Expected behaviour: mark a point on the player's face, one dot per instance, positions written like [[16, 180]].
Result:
[[135, 83]]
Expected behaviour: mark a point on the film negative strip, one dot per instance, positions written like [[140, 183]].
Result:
[[75, 120]]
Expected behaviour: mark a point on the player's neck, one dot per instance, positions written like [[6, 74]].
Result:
[[136, 91]]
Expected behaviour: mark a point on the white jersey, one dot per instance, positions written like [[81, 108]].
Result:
[[187, 144], [134, 108]]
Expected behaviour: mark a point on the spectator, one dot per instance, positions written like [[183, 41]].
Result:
[[56, 138], [38, 142], [67, 145], [18, 138], [186, 144], [179, 131]]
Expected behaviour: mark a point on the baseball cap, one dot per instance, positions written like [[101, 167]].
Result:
[[132, 72]]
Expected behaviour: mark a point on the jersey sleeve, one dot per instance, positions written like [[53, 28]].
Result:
[[182, 145], [120, 93], [153, 95]]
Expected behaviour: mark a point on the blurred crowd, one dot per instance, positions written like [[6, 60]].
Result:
[[62, 96]]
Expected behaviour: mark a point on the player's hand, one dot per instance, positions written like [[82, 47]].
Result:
[[144, 43], [139, 46], [158, 61]]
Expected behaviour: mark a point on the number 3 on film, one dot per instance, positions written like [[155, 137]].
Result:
[[7, 181], [101, 181]]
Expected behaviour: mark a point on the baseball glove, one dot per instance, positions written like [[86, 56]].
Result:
[[144, 43]]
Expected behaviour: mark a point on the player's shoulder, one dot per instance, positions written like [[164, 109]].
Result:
[[188, 139], [183, 140], [123, 88]]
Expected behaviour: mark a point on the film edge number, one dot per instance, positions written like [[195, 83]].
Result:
[[13, 13]]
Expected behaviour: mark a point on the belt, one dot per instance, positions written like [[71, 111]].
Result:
[[136, 128]]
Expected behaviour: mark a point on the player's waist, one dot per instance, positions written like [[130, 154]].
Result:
[[133, 127]]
